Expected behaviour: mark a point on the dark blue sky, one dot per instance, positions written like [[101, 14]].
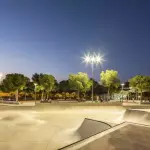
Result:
[[51, 36]]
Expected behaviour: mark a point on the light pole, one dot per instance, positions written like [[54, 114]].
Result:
[[94, 60], [35, 84], [122, 85]]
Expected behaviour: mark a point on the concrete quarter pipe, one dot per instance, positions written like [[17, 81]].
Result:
[[137, 116], [91, 127]]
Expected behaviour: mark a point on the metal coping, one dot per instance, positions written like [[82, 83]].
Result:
[[92, 135], [98, 121]]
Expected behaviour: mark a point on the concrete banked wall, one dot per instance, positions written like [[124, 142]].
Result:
[[137, 116], [89, 128]]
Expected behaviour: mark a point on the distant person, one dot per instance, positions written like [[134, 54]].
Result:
[[49, 100], [133, 99], [101, 100]]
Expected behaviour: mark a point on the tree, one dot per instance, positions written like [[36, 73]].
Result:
[[25, 87], [48, 83], [38, 79], [98, 89], [64, 86], [79, 82], [45, 83], [56, 86], [29, 88], [140, 83], [147, 83], [14, 83], [110, 79]]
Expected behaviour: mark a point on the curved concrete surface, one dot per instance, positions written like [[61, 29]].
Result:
[[128, 135], [47, 127], [90, 127], [84, 142], [137, 116]]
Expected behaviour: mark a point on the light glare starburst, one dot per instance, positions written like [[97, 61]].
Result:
[[93, 58]]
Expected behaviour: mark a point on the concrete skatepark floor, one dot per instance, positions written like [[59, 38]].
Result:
[[48, 129], [132, 134], [52, 128], [130, 137]]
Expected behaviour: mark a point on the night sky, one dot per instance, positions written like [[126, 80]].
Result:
[[51, 36]]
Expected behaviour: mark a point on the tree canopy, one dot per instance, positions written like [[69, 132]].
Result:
[[98, 88], [30, 87], [80, 82], [140, 83], [48, 83], [110, 79], [14, 83], [37, 77], [64, 86]]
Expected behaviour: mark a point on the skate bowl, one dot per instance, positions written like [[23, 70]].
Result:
[[133, 129]]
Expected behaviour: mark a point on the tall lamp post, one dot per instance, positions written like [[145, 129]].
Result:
[[94, 60], [35, 84]]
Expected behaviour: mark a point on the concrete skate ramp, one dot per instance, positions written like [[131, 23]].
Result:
[[129, 137], [125, 136], [90, 127], [133, 133], [137, 116], [86, 141]]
